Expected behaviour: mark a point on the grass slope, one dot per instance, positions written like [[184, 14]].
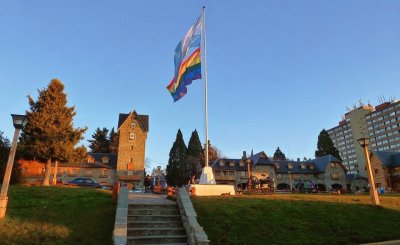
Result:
[[57, 215], [298, 219]]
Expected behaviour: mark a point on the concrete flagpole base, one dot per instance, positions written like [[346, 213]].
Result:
[[207, 176]]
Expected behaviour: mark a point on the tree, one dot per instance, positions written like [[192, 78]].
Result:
[[50, 134], [279, 155], [177, 162], [100, 142], [213, 154], [325, 146], [16, 176], [194, 154], [113, 141]]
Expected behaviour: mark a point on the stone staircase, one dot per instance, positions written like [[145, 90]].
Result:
[[155, 224]]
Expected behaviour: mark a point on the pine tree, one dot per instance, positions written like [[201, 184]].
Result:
[[325, 146], [177, 163], [100, 142], [50, 134], [194, 154], [279, 155], [113, 141]]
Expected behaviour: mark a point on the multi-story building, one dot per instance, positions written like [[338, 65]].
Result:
[[326, 172], [381, 124]]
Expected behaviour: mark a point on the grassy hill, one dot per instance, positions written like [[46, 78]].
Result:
[[298, 219], [57, 215]]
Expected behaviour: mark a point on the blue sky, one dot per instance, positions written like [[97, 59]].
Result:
[[278, 71]]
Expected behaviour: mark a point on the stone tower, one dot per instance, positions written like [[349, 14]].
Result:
[[132, 135]]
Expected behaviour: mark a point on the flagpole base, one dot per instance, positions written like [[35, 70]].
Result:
[[207, 176]]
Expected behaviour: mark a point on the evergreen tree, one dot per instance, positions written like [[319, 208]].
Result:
[[279, 155], [50, 134], [194, 155], [100, 142], [113, 141], [177, 163], [16, 176], [325, 146]]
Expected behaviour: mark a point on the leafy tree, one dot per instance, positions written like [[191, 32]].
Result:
[[177, 162], [113, 141], [279, 155], [16, 175], [213, 154], [194, 154], [50, 134], [100, 142], [325, 146]]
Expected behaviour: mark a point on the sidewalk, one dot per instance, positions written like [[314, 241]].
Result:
[[149, 198]]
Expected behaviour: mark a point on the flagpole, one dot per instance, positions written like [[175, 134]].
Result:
[[205, 85]]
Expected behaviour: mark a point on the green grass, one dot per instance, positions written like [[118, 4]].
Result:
[[298, 219], [57, 215]]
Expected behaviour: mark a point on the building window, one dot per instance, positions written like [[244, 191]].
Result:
[[104, 172], [130, 172], [131, 159], [232, 164], [335, 176], [133, 125], [131, 147], [105, 160], [131, 136], [376, 171], [89, 171], [73, 171], [221, 163]]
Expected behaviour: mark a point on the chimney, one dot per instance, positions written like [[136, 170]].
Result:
[[244, 155]]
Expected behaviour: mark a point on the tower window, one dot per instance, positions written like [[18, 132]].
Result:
[[131, 147], [131, 136]]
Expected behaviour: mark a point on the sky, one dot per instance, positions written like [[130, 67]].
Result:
[[278, 71]]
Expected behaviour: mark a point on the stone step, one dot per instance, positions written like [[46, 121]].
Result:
[[148, 211], [155, 231], [152, 206], [155, 224], [157, 239], [154, 217]]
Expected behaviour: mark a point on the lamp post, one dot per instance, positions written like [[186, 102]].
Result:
[[364, 142], [19, 122]]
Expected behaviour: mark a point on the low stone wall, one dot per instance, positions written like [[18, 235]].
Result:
[[194, 231], [121, 218]]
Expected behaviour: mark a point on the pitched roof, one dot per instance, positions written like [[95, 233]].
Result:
[[142, 119], [216, 166], [260, 159], [283, 167], [111, 156], [389, 159], [322, 162]]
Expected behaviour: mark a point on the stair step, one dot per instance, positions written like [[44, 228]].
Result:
[[155, 231], [157, 239], [154, 217], [150, 206], [148, 211], [155, 224]]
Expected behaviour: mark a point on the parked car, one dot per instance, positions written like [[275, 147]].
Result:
[[86, 182]]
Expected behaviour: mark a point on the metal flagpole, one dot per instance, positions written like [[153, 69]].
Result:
[[205, 85]]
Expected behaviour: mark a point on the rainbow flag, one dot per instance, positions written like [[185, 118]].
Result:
[[189, 70]]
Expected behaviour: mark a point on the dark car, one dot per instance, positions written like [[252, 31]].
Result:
[[87, 182]]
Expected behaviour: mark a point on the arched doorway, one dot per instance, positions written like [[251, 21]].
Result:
[[336, 186], [283, 186], [321, 187]]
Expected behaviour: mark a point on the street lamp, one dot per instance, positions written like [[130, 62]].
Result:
[[364, 142], [19, 122]]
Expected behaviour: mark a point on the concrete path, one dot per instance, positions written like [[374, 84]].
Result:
[[149, 198]]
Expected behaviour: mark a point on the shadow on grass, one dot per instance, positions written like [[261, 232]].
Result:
[[247, 220], [57, 215]]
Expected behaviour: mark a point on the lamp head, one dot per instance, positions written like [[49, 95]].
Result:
[[364, 142], [19, 121]]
